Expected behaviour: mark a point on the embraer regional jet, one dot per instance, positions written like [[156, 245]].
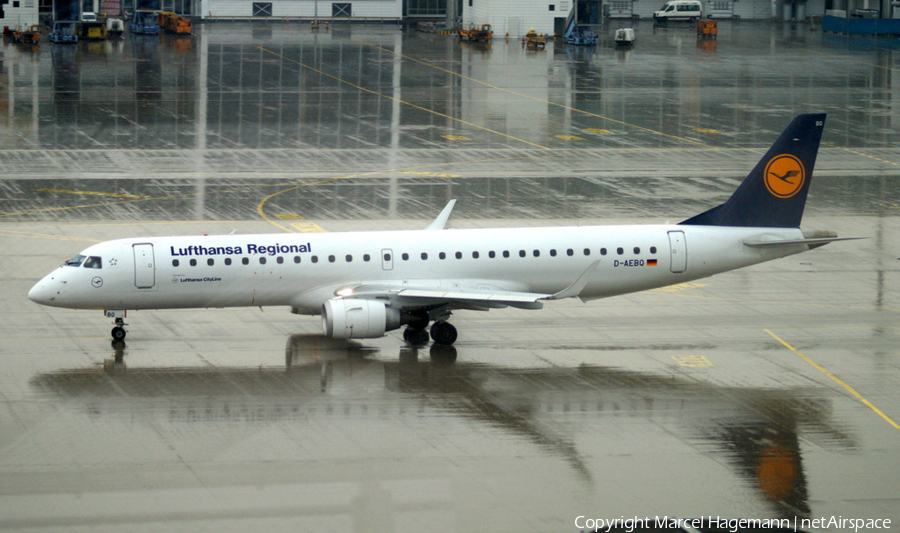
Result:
[[366, 283]]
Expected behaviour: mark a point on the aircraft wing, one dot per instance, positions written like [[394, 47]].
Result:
[[413, 296], [466, 294]]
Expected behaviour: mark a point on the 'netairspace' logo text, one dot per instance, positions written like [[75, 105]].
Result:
[[734, 525]]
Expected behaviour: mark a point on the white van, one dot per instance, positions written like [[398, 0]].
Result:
[[680, 10]]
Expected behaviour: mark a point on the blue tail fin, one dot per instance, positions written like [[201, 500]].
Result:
[[774, 193]]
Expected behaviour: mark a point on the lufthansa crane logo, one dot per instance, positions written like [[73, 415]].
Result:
[[785, 176]]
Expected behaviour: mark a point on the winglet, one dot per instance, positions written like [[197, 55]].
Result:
[[577, 286], [441, 219]]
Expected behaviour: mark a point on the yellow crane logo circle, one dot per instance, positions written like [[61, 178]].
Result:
[[784, 176]]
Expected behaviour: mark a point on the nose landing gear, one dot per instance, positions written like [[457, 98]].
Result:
[[118, 332], [118, 316]]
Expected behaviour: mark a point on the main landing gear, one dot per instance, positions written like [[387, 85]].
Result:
[[442, 332]]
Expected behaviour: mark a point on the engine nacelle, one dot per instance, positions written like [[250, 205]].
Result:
[[355, 318]]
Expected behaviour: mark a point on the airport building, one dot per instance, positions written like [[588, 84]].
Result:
[[508, 17]]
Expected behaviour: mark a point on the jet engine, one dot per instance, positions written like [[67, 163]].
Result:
[[355, 318]]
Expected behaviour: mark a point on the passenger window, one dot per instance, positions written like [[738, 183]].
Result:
[[570, 252], [227, 261], [491, 254], [75, 261], [424, 256], [552, 252], [314, 259], [331, 259], [387, 257], [459, 255], [587, 252], [505, 253], [367, 257], [405, 257], [210, 261], [637, 250], [262, 260], [245, 260], [193, 262], [620, 251], [602, 251], [521, 253], [93, 262], [280, 260], [174, 262], [537, 253], [474, 255], [653, 249], [442, 255], [349, 258], [297, 259]]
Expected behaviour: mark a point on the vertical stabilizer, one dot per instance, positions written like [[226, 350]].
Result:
[[774, 193]]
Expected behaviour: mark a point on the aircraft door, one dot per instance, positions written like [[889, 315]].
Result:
[[387, 259], [144, 266], [678, 250]]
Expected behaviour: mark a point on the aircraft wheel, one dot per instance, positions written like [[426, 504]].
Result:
[[443, 354], [415, 336], [118, 333], [443, 333]]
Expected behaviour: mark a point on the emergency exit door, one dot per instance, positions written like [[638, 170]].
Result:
[[144, 266], [678, 251]]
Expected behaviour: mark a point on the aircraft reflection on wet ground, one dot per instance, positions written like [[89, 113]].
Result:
[[756, 430]]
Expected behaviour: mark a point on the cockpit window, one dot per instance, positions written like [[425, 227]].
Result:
[[93, 262], [75, 261]]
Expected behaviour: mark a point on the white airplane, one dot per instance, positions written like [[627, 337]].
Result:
[[367, 283]]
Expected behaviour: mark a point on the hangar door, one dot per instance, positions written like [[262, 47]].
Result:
[[678, 250], [144, 266], [620, 9], [720, 9]]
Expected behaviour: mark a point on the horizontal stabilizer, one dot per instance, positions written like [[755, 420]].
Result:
[[813, 243], [812, 239]]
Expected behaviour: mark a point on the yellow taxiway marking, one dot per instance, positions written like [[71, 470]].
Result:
[[693, 361], [13, 233], [569, 137], [861, 154], [707, 130], [262, 203], [308, 227], [522, 95], [835, 378], [404, 102], [598, 131], [431, 174], [855, 61], [456, 138], [289, 216], [780, 302], [91, 193]]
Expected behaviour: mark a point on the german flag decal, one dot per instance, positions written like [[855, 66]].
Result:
[[651, 262]]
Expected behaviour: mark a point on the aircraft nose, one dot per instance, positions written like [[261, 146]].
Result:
[[38, 293], [45, 292]]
